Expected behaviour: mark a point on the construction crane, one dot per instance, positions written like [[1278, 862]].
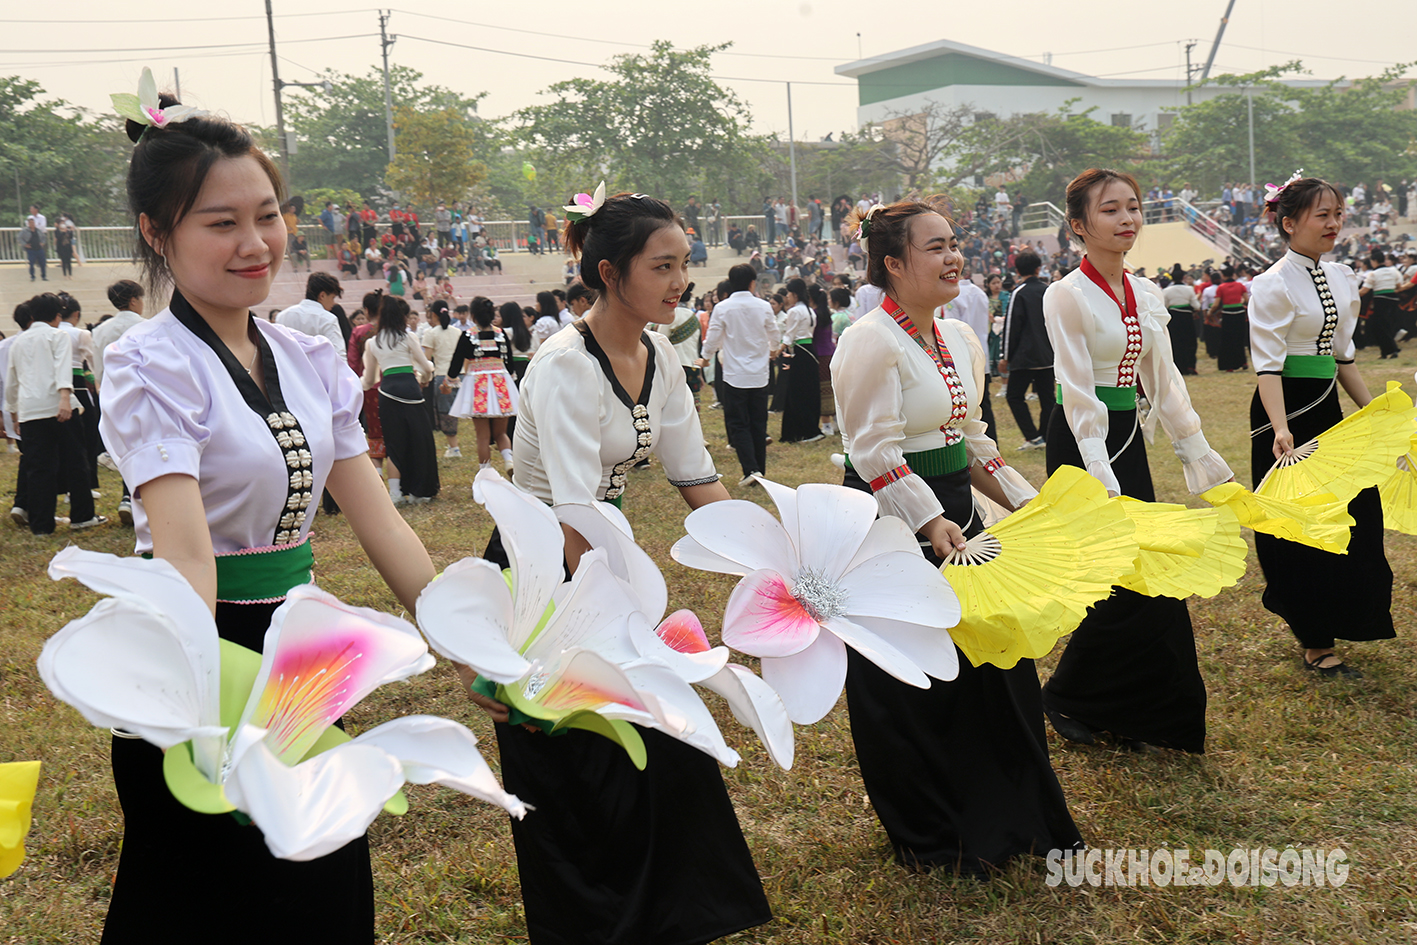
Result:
[[1210, 60]]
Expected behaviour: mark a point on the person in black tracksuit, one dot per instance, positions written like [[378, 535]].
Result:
[[1027, 353]]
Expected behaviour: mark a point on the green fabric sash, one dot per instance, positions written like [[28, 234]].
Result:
[[248, 577], [937, 462], [1113, 398], [1321, 366], [404, 369]]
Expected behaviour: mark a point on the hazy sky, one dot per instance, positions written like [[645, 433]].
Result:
[[224, 64]]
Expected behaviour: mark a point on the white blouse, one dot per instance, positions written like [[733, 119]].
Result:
[[574, 435], [171, 407], [798, 322], [1289, 314], [1093, 347], [892, 400], [442, 342]]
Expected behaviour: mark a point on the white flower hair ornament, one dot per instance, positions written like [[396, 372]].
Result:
[[253, 732], [829, 575], [863, 230], [585, 205], [144, 108], [1272, 193]]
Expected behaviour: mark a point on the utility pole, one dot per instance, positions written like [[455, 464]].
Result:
[[1250, 108], [385, 41], [1190, 71], [281, 147], [791, 146]]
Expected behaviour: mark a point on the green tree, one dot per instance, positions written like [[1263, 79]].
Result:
[[435, 157], [660, 125], [1050, 147], [54, 155], [341, 134]]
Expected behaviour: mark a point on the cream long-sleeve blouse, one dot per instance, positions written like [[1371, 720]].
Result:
[[1094, 345], [1300, 306], [891, 400]]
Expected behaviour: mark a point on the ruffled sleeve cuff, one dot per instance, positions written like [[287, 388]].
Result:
[[1205, 472], [910, 500], [1098, 463], [1017, 489]]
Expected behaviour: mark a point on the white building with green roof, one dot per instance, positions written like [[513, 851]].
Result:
[[953, 74]]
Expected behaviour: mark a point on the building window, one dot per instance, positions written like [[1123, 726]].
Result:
[[1164, 120], [984, 116], [1121, 120]]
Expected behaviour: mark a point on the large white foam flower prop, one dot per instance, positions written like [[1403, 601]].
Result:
[[828, 576], [679, 642], [254, 732], [559, 653]]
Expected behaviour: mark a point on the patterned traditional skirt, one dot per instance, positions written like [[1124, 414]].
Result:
[[488, 390]]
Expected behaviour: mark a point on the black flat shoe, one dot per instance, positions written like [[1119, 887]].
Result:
[[1071, 729], [1338, 669]]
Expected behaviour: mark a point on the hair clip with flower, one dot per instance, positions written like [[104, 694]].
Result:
[[584, 205], [1272, 192], [863, 231], [144, 109]]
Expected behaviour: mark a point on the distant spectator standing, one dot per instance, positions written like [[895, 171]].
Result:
[[691, 214], [1027, 352], [443, 223], [312, 314], [34, 243], [553, 232], [66, 237], [330, 226], [713, 219], [537, 222]]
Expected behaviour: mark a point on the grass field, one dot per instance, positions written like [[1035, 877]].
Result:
[[1289, 760]]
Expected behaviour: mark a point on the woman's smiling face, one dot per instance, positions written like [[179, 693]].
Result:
[[657, 277], [226, 251]]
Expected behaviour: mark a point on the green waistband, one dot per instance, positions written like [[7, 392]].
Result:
[[1180, 309], [1384, 291], [936, 462], [617, 500], [1113, 398], [1232, 309], [404, 369], [1322, 366], [803, 341], [265, 576]]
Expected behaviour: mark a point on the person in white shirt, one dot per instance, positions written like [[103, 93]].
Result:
[[127, 297], [312, 314], [1381, 281], [549, 321], [40, 223], [971, 306], [39, 384], [743, 332], [85, 387], [801, 409]]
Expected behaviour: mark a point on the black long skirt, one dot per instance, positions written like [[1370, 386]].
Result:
[[802, 413], [408, 436], [1182, 329], [1234, 335], [189, 876], [1323, 596], [958, 773], [1130, 667], [616, 855]]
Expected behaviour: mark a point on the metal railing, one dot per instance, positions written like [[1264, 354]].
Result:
[[91, 244], [1042, 215], [1205, 222]]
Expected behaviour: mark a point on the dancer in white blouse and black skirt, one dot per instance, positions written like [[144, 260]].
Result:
[[801, 411], [394, 360], [616, 855], [227, 428], [1302, 315], [1130, 668], [959, 772]]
